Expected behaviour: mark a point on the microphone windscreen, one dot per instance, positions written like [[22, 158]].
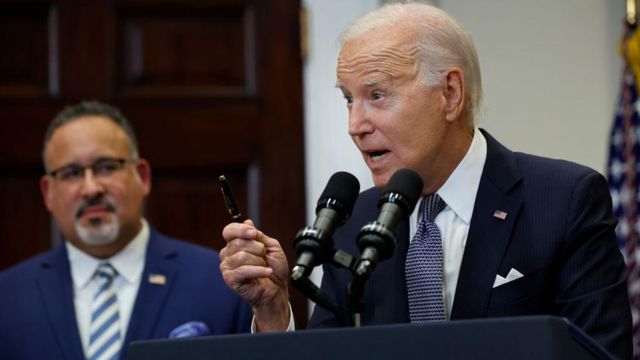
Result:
[[342, 187], [406, 183], [189, 329]]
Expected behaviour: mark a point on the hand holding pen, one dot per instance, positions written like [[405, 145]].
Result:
[[255, 267]]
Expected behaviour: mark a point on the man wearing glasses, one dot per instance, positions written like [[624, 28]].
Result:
[[115, 279]]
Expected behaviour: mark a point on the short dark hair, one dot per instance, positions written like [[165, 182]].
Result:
[[96, 108]]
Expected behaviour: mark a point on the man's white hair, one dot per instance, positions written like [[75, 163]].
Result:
[[442, 43]]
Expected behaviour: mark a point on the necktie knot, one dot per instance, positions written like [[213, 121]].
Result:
[[106, 272], [432, 205]]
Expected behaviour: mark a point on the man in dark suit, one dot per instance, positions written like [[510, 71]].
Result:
[[516, 234], [115, 279]]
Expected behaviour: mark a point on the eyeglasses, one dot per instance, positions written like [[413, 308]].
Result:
[[101, 168]]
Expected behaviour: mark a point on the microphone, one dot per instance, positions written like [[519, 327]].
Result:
[[189, 329], [314, 244], [377, 239]]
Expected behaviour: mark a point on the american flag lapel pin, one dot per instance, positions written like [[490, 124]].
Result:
[[157, 279], [499, 214]]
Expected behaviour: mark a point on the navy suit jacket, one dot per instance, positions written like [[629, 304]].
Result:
[[37, 316], [558, 232]]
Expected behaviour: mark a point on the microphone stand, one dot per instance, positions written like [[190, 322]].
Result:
[[340, 258], [354, 302], [360, 271], [355, 292]]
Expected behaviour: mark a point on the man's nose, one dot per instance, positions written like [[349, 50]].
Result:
[[359, 119], [91, 186]]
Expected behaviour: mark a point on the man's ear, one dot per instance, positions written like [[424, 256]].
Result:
[[143, 169], [454, 91], [44, 190]]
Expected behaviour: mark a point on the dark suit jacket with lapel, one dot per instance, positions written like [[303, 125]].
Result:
[[558, 232], [37, 317]]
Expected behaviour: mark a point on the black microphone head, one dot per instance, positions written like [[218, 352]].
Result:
[[404, 188], [340, 194]]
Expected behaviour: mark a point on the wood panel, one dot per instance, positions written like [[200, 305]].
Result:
[[26, 225], [211, 86], [181, 52], [26, 72], [196, 205]]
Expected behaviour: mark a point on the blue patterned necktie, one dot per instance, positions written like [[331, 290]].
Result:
[[105, 340], [423, 267]]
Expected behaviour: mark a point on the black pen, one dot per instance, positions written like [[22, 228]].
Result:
[[232, 206]]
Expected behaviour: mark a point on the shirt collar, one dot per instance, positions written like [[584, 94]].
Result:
[[129, 262], [460, 190]]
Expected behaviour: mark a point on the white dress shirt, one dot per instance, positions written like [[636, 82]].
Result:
[[129, 263], [459, 193]]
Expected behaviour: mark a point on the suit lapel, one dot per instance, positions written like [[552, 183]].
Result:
[[54, 283], [489, 235], [157, 278]]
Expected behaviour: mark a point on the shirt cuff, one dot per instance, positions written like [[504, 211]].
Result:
[[290, 328]]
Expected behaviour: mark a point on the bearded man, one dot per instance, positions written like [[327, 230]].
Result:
[[115, 279]]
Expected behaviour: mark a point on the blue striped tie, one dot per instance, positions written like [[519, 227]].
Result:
[[105, 320], [423, 267]]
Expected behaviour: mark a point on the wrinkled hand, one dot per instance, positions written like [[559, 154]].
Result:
[[255, 267]]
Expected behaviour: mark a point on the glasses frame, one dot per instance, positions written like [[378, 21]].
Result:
[[120, 161]]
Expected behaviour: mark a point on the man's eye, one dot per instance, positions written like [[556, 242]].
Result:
[[376, 96], [71, 173], [106, 167], [349, 99]]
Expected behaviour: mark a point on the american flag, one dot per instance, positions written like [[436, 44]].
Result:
[[624, 176]]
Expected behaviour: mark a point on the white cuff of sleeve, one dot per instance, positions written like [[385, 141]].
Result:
[[292, 323]]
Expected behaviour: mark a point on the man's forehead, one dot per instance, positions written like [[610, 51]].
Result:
[[377, 64], [89, 124], [85, 138], [370, 80], [363, 48]]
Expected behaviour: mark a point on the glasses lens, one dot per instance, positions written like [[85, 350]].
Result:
[[106, 167], [70, 173]]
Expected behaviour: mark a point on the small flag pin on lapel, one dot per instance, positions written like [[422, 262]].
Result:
[[500, 215], [157, 279]]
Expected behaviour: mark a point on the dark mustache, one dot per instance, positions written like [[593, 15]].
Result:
[[99, 200]]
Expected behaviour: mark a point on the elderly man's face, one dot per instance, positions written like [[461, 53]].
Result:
[[394, 119], [99, 208]]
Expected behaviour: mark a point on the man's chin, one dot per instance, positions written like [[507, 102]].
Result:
[[97, 233], [380, 179]]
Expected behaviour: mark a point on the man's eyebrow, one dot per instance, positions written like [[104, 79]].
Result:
[[372, 83], [367, 83]]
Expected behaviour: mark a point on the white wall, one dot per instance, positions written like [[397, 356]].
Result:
[[550, 73]]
